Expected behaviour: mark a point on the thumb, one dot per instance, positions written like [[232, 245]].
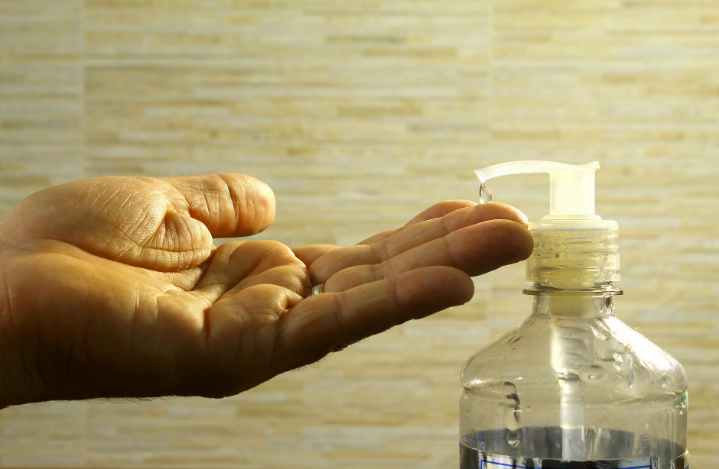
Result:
[[228, 204], [164, 224]]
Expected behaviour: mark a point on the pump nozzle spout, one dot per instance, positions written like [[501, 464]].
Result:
[[571, 187]]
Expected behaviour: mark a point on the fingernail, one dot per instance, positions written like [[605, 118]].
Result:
[[524, 218]]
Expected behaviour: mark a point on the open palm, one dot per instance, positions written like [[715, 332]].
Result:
[[112, 287]]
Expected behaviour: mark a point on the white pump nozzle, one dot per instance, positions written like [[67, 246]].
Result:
[[571, 186], [573, 247]]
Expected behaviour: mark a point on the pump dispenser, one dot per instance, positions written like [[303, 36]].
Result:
[[572, 386]]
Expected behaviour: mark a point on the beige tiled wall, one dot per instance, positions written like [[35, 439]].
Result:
[[359, 114]]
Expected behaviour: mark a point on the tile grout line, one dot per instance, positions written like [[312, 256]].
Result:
[[490, 78], [83, 137], [83, 87]]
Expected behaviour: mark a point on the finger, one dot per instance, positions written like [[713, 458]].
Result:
[[380, 236], [435, 211], [235, 261], [309, 254], [437, 228], [228, 204], [440, 209], [321, 323], [410, 237], [129, 220], [475, 250]]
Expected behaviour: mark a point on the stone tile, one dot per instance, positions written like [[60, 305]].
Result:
[[25, 169], [44, 435], [40, 104], [41, 86], [38, 31]]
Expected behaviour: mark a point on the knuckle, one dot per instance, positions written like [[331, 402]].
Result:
[[276, 250], [298, 279], [216, 184], [291, 277], [228, 250]]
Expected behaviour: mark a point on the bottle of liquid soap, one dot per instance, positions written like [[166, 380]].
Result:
[[572, 386]]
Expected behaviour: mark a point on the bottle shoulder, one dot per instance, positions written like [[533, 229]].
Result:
[[604, 353], [513, 353]]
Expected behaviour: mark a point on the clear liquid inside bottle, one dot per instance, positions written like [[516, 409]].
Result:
[[570, 387]]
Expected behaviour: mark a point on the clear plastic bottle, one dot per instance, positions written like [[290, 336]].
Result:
[[572, 386]]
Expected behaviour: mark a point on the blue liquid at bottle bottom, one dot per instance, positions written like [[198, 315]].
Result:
[[499, 449]]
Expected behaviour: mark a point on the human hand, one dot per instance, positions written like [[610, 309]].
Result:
[[112, 287]]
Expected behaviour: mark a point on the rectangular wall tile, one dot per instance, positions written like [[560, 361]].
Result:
[[41, 102]]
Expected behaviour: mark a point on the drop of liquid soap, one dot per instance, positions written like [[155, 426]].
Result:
[[485, 195]]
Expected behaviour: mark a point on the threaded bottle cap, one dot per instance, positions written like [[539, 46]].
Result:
[[574, 253]]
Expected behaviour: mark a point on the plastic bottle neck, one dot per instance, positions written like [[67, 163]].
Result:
[[595, 302]]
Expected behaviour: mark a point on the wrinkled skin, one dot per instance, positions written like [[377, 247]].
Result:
[[112, 287]]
